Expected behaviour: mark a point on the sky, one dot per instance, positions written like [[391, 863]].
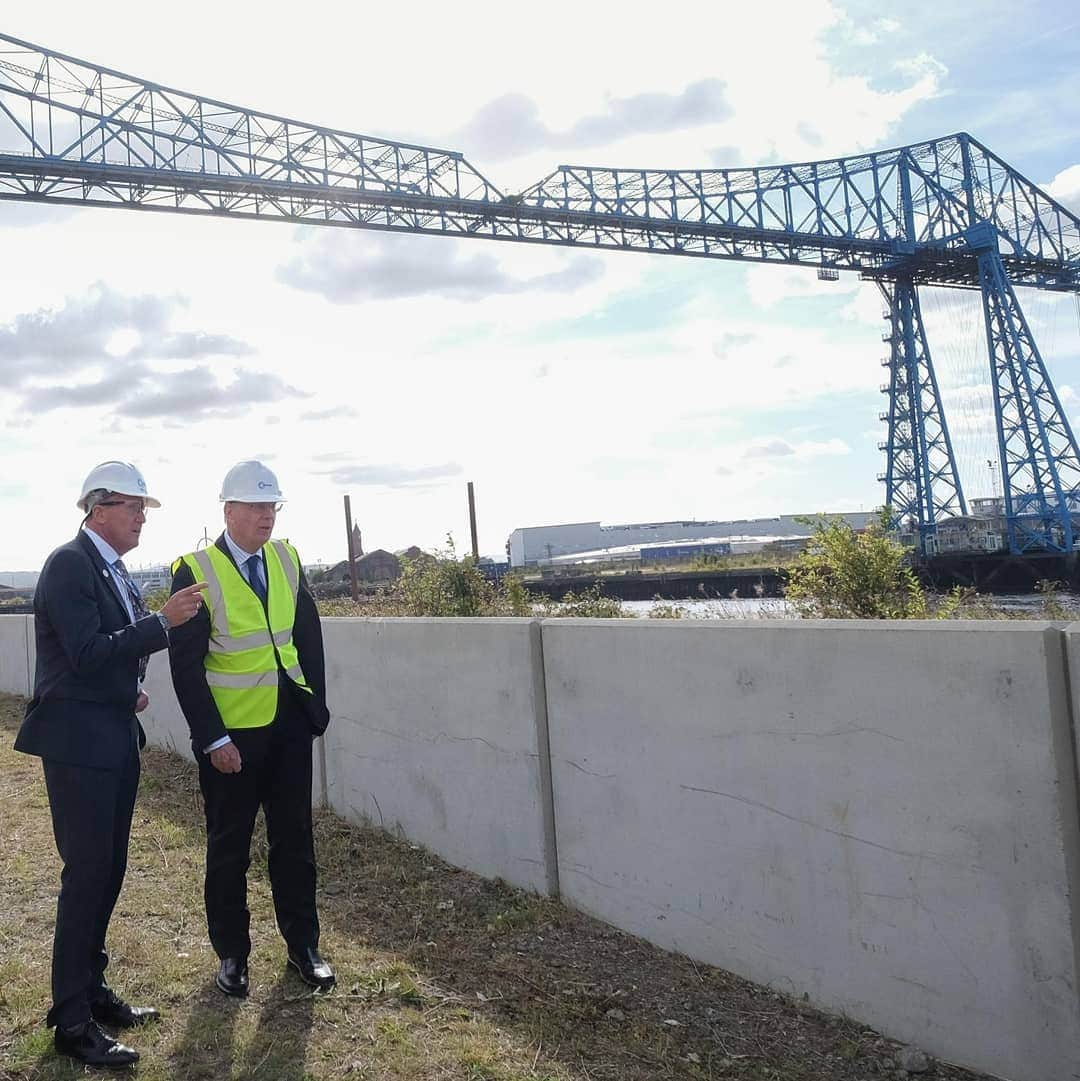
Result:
[[566, 385]]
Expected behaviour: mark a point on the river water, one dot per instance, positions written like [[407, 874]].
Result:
[[1025, 605]]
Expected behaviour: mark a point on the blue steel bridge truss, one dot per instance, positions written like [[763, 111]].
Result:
[[946, 212]]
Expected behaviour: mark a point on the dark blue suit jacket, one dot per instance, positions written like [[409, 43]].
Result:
[[86, 678]]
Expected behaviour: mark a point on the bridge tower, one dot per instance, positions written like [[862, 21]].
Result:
[[1037, 452], [922, 485]]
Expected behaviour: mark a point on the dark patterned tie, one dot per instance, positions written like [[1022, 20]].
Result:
[[253, 568], [138, 605]]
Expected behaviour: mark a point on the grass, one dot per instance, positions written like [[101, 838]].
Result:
[[442, 975]]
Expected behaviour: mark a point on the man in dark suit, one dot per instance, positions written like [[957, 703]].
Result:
[[93, 636], [250, 677]]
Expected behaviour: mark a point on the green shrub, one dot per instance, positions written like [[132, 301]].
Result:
[[591, 604], [663, 609], [155, 599], [444, 586], [849, 575], [517, 596]]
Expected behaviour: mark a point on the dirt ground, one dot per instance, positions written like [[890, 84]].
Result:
[[442, 975]]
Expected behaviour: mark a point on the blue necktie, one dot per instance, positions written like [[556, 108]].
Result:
[[138, 605], [253, 567]]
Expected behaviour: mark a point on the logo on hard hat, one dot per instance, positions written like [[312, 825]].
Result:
[[265, 484]]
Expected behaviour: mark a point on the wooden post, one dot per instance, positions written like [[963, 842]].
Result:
[[472, 525], [352, 555]]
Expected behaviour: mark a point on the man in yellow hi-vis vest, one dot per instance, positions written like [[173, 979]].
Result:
[[250, 677]]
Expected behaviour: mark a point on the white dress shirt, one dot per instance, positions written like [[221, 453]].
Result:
[[111, 555], [240, 557]]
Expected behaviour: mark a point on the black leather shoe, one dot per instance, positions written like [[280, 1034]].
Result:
[[232, 976], [116, 1013], [313, 970], [92, 1047]]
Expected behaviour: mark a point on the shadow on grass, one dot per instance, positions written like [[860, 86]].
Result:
[[207, 1050], [279, 1047]]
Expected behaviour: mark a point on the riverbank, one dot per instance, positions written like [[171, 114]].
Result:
[[992, 573], [1008, 606]]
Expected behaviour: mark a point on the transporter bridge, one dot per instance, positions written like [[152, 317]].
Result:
[[946, 212]]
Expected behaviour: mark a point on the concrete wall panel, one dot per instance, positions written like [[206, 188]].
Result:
[[164, 723], [876, 815], [436, 733], [1067, 742], [31, 653], [14, 673]]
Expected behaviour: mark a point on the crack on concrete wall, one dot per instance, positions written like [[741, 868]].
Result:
[[589, 772], [795, 733], [809, 822]]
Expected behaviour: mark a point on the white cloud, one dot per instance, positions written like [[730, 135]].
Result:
[[365, 475], [103, 351], [1065, 187], [780, 448], [779, 362], [511, 125], [827, 448], [969, 411], [769, 285], [867, 33], [771, 448], [926, 71], [389, 267]]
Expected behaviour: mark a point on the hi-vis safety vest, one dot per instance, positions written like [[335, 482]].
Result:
[[247, 644]]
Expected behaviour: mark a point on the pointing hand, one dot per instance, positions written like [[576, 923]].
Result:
[[183, 604]]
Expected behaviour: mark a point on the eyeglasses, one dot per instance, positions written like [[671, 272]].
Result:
[[263, 508], [134, 506]]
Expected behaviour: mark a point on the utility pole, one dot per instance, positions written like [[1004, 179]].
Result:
[[472, 525], [352, 556]]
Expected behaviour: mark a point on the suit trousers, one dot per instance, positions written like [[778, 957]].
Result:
[[275, 775], [91, 816]]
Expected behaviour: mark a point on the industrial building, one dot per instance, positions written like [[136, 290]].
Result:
[[152, 578], [538, 545], [662, 553], [982, 530]]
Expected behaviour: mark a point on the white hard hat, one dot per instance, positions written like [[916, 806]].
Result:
[[250, 482], [119, 477]]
